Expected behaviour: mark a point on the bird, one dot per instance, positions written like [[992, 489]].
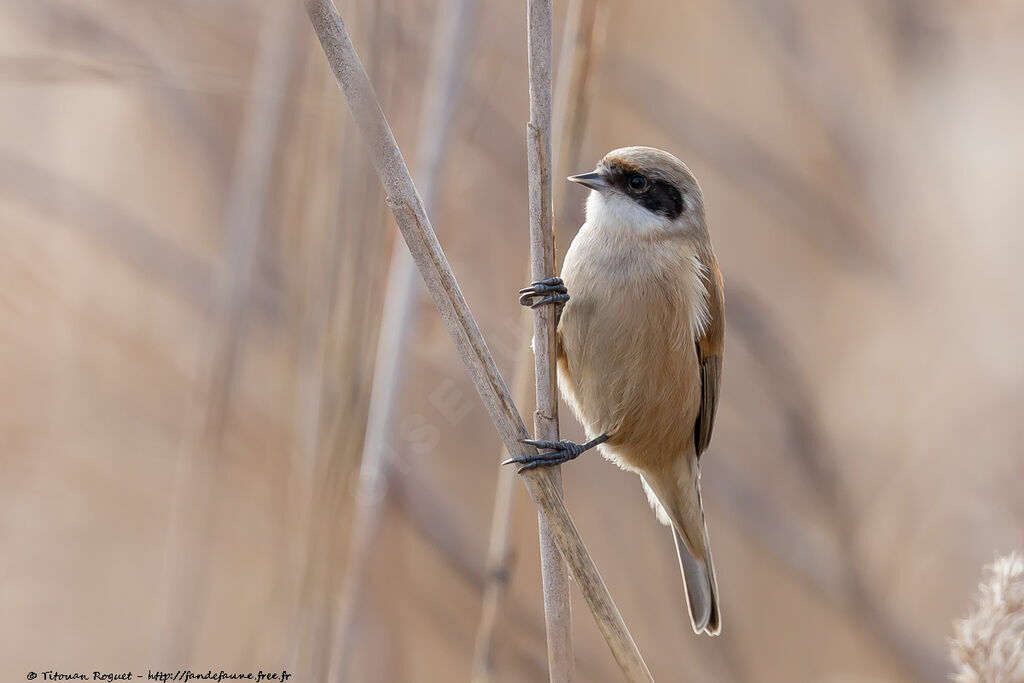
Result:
[[641, 329]]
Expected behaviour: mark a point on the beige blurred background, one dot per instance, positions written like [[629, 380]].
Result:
[[193, 253]]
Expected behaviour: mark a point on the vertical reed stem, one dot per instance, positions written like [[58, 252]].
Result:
[[557, 602], [581, 38]]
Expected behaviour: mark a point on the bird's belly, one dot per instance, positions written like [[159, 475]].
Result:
[[630, 370]]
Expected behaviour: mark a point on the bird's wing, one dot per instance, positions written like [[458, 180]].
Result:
[[709, 354]]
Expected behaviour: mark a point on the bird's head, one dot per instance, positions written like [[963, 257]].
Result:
[[643, 189]]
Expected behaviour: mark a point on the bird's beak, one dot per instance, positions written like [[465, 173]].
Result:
[[592, 180]]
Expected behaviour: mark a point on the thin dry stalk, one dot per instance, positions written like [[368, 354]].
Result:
[[441, 92], [583, 34], [582, 40], [407, 208], [320, 172], [356, 224], [555, 576], [499, 560], [193, 499]]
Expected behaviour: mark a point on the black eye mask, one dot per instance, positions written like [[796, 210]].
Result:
[[657, 196], [663, 199]]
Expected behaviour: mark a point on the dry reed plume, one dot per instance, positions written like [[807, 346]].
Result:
[[989, 643]]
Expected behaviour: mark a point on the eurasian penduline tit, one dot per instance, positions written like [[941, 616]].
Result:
[[640, 344]]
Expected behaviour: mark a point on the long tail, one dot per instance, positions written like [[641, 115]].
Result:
[[678, 496]]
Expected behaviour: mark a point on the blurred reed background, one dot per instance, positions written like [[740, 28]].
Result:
[[193, 261]]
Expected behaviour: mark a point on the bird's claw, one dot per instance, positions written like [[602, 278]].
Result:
[[541, 292], [558, 453]]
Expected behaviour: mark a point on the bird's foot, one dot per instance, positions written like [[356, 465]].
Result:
[[547, 291], [558, 452]]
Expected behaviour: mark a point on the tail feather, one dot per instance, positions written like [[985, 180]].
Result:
[[678, 503], [701, 590]]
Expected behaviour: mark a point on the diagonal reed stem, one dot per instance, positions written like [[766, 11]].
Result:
[[407, 208]]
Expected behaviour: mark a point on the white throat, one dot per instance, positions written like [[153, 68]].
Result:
[[616, 213]]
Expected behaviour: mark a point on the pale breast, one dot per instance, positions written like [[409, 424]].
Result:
[[630, 367]]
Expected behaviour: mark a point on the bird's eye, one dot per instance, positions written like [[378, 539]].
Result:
[[637, 183]]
